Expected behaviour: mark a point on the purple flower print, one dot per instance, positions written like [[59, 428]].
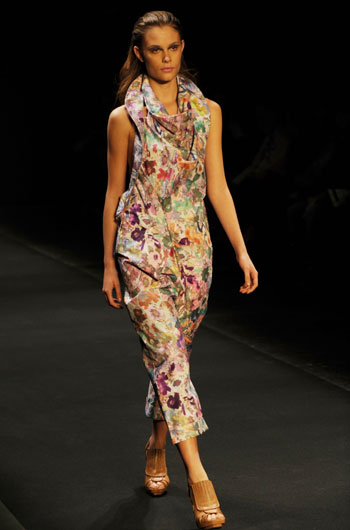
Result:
[[138, 234], [156, 242], [180, 343], [174, 401], [134, 218], [184, 241], [162, 386], [191, 400]]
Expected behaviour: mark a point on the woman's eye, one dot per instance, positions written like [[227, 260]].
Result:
[[156, 50]]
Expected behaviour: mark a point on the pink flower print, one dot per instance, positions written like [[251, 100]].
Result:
[[165, 175]]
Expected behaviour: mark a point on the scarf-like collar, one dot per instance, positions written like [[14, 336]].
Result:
[[140, 93], [156, 107]]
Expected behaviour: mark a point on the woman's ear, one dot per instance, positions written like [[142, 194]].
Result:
[[138, 53]]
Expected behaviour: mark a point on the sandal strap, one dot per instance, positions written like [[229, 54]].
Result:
[[204, 495], [155, 462]]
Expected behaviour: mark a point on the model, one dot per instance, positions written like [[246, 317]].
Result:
[[169, 136]]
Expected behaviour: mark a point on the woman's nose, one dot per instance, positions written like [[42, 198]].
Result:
[[166, 58]]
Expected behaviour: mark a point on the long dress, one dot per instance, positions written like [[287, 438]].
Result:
[[164, 248]]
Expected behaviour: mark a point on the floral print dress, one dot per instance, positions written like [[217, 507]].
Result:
[[164, 248]]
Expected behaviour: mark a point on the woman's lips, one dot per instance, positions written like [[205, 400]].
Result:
[[167, 69]]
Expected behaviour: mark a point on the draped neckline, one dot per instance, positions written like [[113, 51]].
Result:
[[175, 123]]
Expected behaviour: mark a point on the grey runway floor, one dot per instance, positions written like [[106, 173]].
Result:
[[73, 387]]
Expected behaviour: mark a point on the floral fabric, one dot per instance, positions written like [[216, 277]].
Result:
[[164, 248]]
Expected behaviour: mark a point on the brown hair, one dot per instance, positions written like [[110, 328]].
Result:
[[132, 67]]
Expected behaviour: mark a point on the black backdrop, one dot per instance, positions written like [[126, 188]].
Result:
[[59, 83]]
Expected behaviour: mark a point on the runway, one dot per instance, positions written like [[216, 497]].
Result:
[[73, 426]]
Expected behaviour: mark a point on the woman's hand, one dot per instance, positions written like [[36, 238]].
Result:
[[110, 282], [250, 274]]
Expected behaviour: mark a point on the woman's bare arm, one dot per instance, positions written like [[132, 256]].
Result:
[[221, 199], [118, 130]]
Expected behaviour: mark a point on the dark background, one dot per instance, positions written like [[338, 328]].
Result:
[[280, 77]]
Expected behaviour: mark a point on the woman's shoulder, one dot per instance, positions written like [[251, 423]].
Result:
[[213, 105], [119, 114], [119, 118], [215, 111]]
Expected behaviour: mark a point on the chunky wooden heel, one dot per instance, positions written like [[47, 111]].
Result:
[[156, 473], [205, 502]]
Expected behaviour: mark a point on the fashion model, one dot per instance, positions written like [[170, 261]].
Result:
[[169, 137]]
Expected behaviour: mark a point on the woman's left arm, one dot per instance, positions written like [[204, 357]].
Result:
[[221, 199]]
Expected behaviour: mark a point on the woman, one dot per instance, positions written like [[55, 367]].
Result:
[[169, 136]]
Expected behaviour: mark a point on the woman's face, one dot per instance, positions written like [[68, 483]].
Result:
[[161, 52]]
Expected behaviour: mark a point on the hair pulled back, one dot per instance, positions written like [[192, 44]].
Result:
[[132, 67]]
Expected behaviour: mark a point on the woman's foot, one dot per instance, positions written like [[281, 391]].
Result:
[[201, 491], [205, 505], [156, 473]]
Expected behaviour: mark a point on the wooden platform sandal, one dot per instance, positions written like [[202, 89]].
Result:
[[156, 473], [205, 502]]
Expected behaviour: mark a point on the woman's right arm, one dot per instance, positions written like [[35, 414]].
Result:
[[118, 130]]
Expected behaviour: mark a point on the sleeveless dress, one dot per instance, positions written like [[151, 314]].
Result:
[[164, 248]]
